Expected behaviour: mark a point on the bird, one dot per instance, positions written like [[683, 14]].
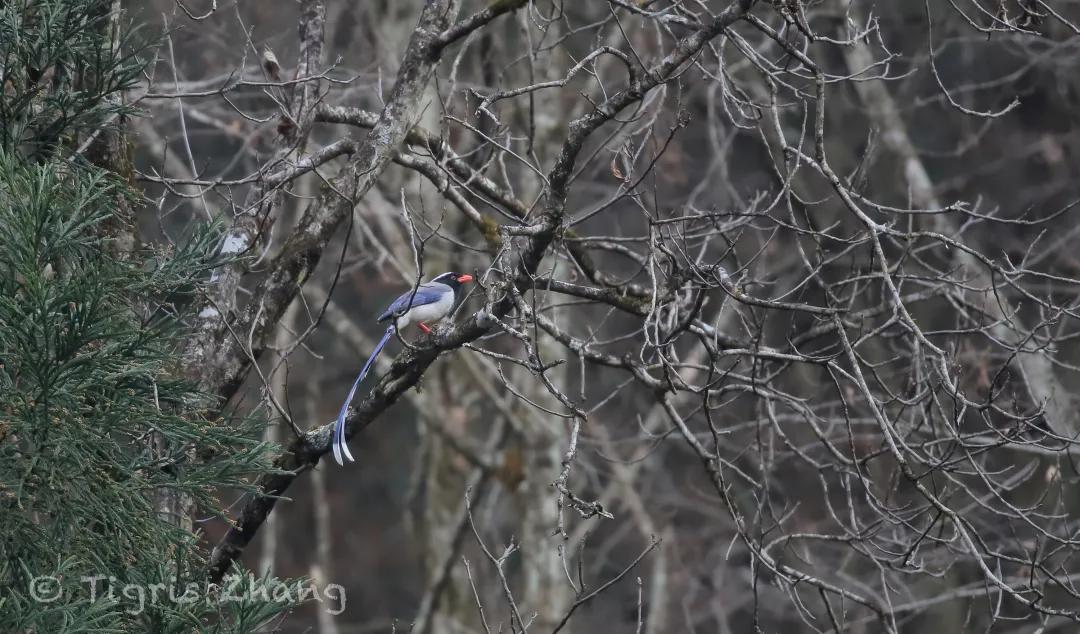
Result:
[[430, 301]]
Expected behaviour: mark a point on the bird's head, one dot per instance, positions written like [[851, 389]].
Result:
[[452, 279]]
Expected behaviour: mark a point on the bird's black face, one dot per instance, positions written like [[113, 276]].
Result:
[[452, 279]]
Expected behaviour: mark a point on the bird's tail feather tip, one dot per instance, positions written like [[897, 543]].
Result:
[[336, 445], [340, 445], [339, 429]]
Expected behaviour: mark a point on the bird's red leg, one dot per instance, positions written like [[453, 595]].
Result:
[[424, 327]]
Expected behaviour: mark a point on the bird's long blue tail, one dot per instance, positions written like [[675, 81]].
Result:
[[340, 446]]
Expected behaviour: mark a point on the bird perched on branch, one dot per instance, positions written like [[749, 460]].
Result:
[[430, 301]]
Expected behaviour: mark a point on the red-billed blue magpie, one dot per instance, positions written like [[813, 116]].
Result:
[[430, 301]]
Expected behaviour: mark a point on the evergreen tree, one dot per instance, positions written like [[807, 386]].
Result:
[[99, 434]]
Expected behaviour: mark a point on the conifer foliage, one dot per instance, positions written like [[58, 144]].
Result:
[[97, 427]]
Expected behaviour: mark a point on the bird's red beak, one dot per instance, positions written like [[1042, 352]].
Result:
[[465, 278]]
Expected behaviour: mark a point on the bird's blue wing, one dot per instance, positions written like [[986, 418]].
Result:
[[426, 294]]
